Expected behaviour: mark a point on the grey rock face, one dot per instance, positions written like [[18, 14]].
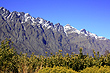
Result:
[[37, 35]]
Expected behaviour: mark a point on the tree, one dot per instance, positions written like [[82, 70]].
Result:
[[7, 55]]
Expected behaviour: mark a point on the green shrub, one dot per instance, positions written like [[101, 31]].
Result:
[[57, 70], [12, 62], [7, 56], [95, 69]]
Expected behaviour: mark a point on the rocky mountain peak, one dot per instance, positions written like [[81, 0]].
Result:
[[58, 27], [27, 18], [4, 12], [83, 31], [27, 14], [69, 28], [58, 24], [3, 9]]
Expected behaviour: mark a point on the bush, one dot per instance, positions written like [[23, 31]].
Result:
[[95, 69], [7, 56], [12, 62], [57, 70]]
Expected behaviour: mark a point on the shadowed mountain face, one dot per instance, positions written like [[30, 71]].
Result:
[[37, 35]]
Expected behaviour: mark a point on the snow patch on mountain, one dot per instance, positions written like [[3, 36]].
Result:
[[69, 29]]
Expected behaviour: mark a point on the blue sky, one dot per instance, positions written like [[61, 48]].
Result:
[[92, 15]]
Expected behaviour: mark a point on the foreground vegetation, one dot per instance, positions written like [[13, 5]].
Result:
[[11, 62]]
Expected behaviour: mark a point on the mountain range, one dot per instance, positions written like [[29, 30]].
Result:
[[38, 35]]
